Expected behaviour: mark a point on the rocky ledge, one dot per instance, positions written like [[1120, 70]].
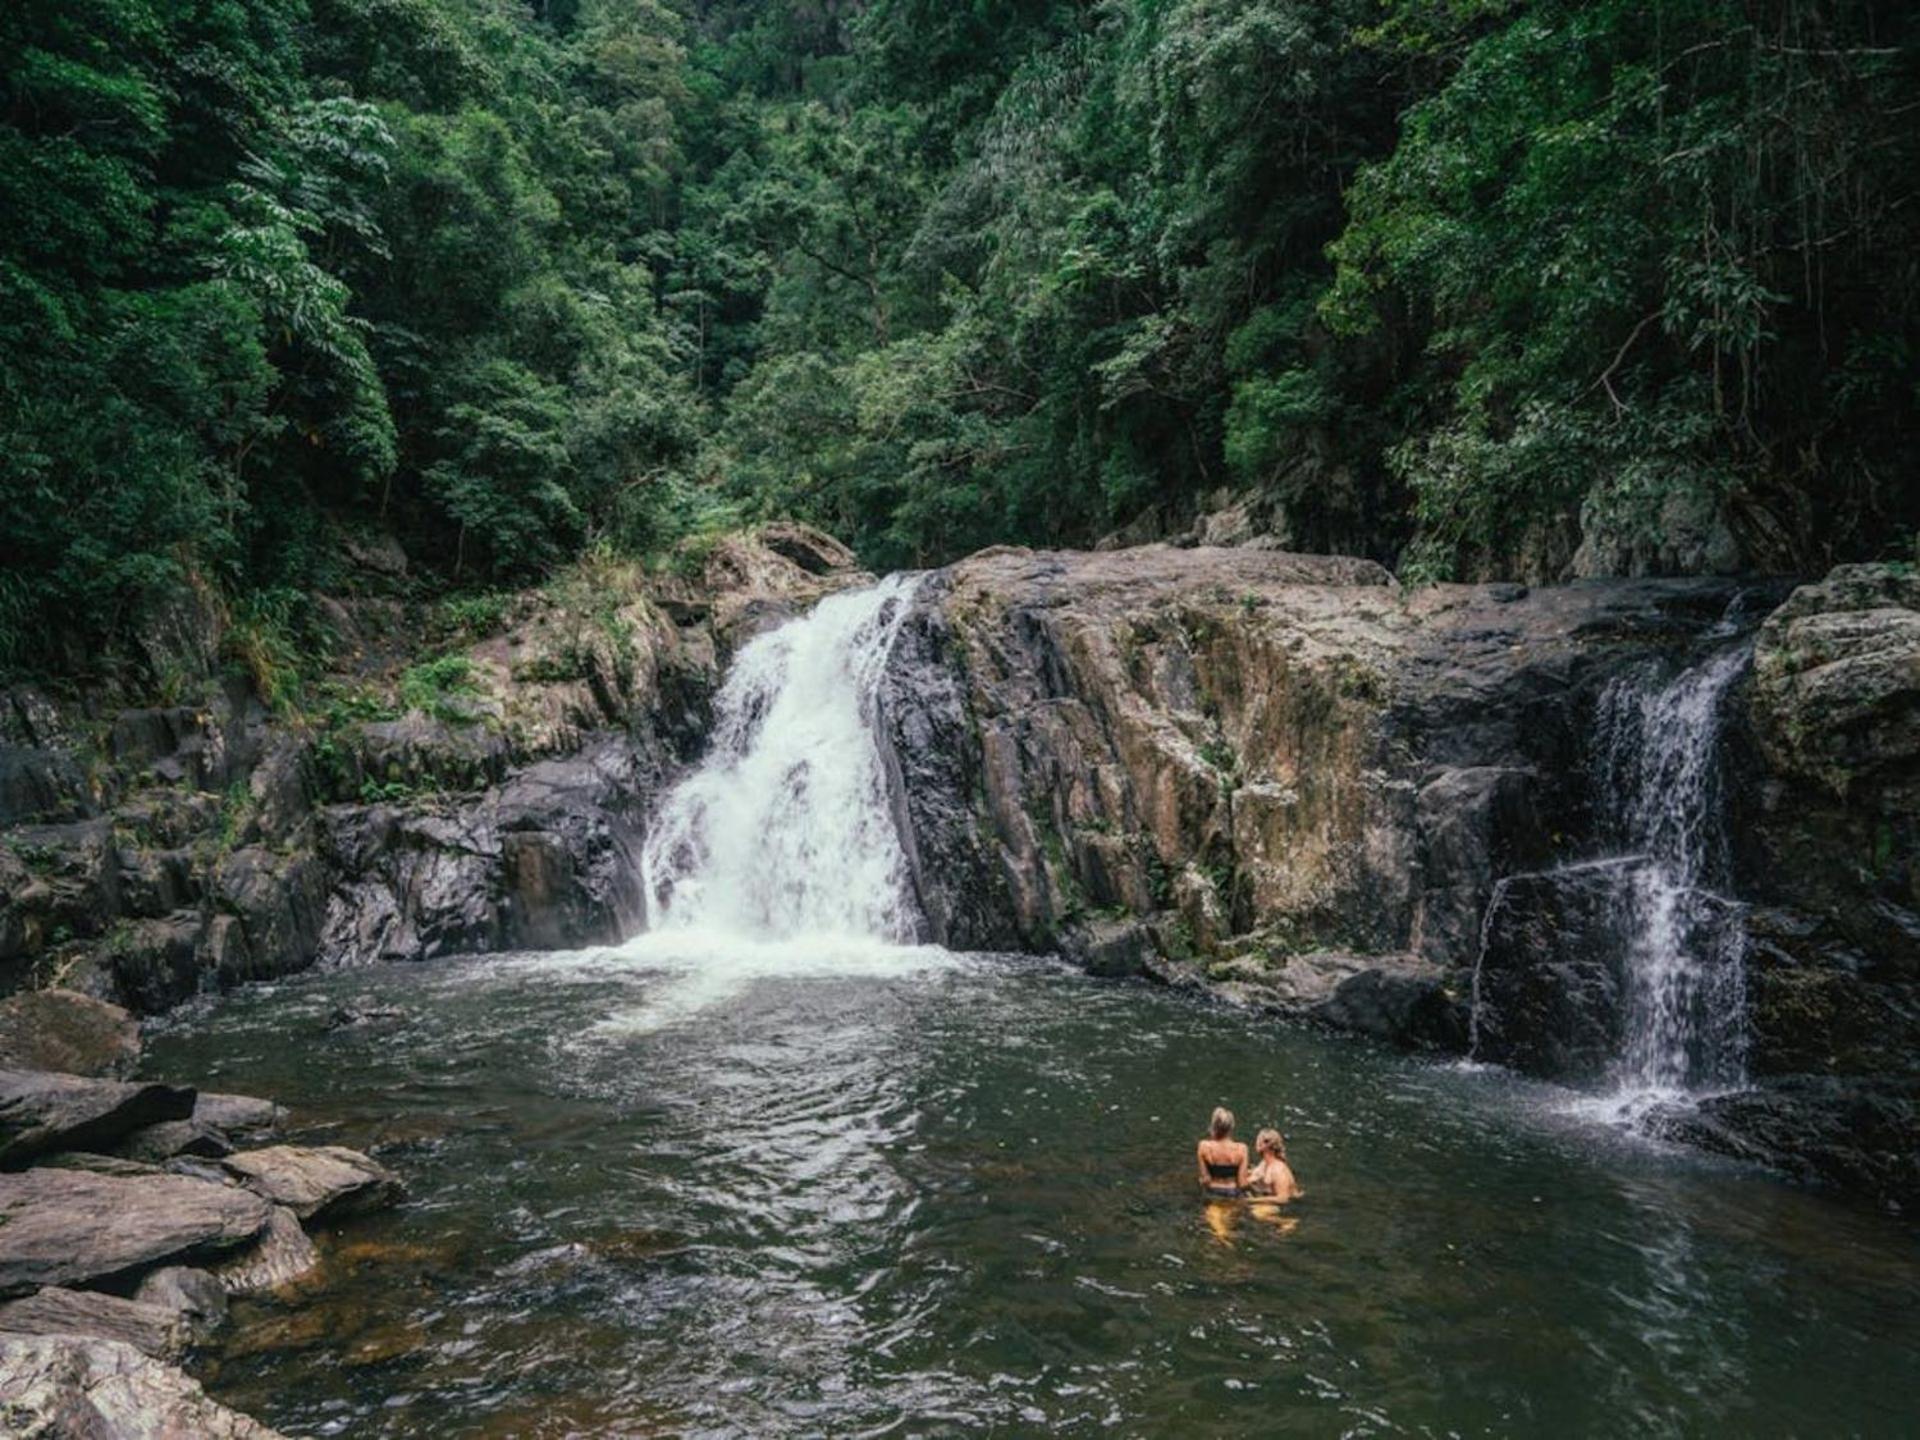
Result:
[[130, 1214], [1294, 782], [469, 776]]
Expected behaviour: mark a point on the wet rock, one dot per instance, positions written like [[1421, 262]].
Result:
[[1550, 989], [1114, 948], [69, 1388], [42, 1111], [150, 1329], [356, 1016], [1408, 1005], [280, 901], [1863, 1137], [40, 785], [196, 1298], [156, 963], [316, 1180], [282, 1255], [62, 1227], [65, 1031]]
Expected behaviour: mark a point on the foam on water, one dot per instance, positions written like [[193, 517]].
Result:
[[778, 857]]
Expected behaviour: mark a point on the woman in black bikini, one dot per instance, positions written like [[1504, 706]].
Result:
[[1223, 1159]]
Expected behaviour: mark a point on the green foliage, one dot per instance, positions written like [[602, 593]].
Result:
[[270, 267], [1465, 285], [440, 688]]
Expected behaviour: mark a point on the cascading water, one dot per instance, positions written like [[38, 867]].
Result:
[[785, 831], [778, 858], [1660, 782], [1679, 943]]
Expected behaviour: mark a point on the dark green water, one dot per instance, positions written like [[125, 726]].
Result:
[[907, 1198]]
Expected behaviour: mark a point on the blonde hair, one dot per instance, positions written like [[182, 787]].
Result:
[[1270, 1140], [1222, 1123]]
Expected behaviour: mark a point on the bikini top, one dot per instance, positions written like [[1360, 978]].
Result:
[[1217, 1171]]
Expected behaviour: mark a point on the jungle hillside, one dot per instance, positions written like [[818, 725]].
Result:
[[1521, 289]]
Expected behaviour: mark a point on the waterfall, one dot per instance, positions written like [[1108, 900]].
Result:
[[784, 830], [1659, 787]]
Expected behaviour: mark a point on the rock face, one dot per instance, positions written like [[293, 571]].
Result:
[[64, 1387], [1291, 772], [1285, 778], [489, 796], [1826, 832]]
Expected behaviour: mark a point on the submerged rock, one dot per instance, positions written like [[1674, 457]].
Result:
[[65, 1387], [62, 1227]]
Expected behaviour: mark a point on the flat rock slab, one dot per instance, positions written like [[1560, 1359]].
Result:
[[64, 1387], [41, 1111], [60, 1227], [314, 1180], [150, 1329], [67, 1031]]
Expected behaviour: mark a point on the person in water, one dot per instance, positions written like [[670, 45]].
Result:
[[1223, 1159], [1272, 1178]]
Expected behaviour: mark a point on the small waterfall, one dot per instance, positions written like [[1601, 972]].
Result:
[[1659, 781], [785, 830]]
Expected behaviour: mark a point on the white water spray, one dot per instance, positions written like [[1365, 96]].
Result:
[[1686, 985], [778, 857], [785, 830]]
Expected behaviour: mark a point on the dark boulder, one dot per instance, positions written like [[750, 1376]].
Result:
[[1860, 1136], [1549, 990], [40, 785], [41, 1111]]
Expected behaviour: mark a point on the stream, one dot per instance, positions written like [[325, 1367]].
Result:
[[771, 1168], [901, 1193]]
